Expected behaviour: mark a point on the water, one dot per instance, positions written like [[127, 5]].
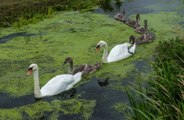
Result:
[[6, 100], [143, 7], [105, 98], [104, 94], [6, 38]]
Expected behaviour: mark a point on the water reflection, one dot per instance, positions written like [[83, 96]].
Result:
[[7, 101], [111, 7], [118, 5], [106, 5]]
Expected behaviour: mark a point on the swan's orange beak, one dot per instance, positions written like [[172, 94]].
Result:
[[29, 72], [97, 50]]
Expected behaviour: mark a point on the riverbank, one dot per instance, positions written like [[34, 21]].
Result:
[[75, 34], [63, 35], [163, 98], [31, 11]]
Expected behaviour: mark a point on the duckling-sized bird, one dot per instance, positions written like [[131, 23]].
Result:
[[134, 23], [147, 37], [103, 82], [89, 69], [121, 17], [142, 29]]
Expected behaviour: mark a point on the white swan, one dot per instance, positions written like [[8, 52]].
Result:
[[118, 52], [54, 86]]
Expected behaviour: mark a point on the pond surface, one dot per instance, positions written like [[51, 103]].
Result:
[[109, 97]]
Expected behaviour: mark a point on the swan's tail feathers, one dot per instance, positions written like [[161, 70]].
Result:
[[77, 77], [132, 49]]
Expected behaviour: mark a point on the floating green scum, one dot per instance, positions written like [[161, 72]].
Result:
[[73, 34]]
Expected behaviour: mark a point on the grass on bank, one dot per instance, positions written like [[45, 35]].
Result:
[[31, 11], [163, 99]]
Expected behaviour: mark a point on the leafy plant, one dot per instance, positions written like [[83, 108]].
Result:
[[164, 98]]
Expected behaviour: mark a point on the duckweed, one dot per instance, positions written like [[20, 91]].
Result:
[[72, 34]]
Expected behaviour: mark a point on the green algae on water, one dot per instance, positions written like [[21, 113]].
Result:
[[41, 109], [74, 34], [71, 34]]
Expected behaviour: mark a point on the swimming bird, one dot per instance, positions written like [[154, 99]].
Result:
[[121, 17], [89, 69], [55, 85], [134, 23], [118, 52], [147, 37], [142, 29], [103, 82]]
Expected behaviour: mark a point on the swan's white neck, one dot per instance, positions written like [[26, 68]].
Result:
[[37, 92], [105, 54]]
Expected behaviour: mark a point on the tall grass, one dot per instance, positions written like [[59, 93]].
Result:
[[163, 99], [33, 10]]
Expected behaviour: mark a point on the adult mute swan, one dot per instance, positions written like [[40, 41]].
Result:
[[118, 52], [89, 69], [54, 86]]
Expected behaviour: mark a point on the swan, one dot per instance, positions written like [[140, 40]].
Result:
[[121, 17], [55, 85], [118, 52], [134, 23], [89, 69], [147, 37], [142, 29]]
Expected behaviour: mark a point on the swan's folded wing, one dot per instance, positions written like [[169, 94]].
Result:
[[56, 85], [118, 52]]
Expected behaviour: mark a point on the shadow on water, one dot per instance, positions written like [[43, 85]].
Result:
[[6, 38], [99, 89], [105, 97], [7, 101]]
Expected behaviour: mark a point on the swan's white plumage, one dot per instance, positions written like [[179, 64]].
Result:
[[56, 85], [119, 52], [60, 83]]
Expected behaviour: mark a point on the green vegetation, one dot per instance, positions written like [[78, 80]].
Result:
[[72, 34], [31, 11], [163, 99], [40, 109]]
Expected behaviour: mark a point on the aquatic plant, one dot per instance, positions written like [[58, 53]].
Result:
[[65, 32], [164, 96], [42, 109]]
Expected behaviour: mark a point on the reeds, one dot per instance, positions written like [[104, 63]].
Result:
[[163, 99]]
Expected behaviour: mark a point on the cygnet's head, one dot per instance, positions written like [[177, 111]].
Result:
[[68, 60]]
